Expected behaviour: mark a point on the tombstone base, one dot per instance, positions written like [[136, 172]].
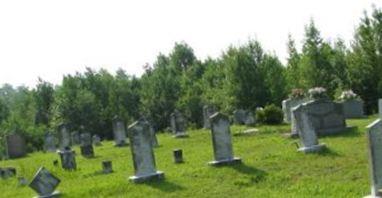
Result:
[[181, 135], [312, 149], [372, 196], [234, 160], [53, 195], [159, 175]]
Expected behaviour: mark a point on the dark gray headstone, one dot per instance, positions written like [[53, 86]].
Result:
[[374, 137], [75, 138], [142, 153], [119, 131], [15, 146], [44, 184], [178, 124], [207, 112], [221, 140], [22, 181], [68, 159], [86, 145], [178, 156], [50, 142], [353, 108], [287, 105], [107, 167], [7, 172], [64, 136]]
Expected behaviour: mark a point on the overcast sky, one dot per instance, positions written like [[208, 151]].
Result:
[[49, 38]]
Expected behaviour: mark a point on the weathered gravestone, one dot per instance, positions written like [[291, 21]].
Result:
[[380, 108], [64, 136], [221, 140], [68, 159], [75, 138], [96, 140], [288, 104], [178, 156], [241, 117], [374, 138], [119, 131], [7, 172], [178, 124], [107, 167], [207, 112], [86, 145], [327, 117], [45, 184], [142, 153], [306, 130], [153, 136], [50, 142], [15, 146], [353, 108]]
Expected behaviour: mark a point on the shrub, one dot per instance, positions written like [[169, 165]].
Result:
[[271, 114]]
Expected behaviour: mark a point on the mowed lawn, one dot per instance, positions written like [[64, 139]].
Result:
[[271, 167]]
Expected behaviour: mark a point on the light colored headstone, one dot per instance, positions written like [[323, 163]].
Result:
[[142, 153], [287, 105], [50, 142], [374, 137], [64, 136], [44, 184], [15, 146], [306, 130], [221, 140], [353, 108], [207, 112], [178, 125], [68, 159], [119, 131], [86, 145]]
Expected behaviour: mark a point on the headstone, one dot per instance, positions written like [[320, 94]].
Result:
[[142, 153], [119, 131], [68, 159], [374, 138], [207, 112], [380, 108], [64, 136], [44, 184], [107, 167], [75, 138], [178, 125], [178, 156], [306, 130], [287, 105], [22, 181], [353, 108], [50, 142], [153, 137], [86, 145], [96, 140], [221, 140], [242, 117], [15, 146], [7, 172]]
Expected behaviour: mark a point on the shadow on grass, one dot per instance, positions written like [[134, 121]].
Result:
[[349, 132], [328, 152], [164, 185], [255, 173]]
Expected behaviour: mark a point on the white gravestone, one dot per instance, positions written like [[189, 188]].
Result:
[[287, 105], [374, 138]]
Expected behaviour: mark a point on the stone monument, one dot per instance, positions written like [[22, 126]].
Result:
[[86, 145], [44, 183], [68, 159], [288, 104], [64, 136], [119, 131], [50, 142], [207, 112], [15, 146], [178, 125], [374, 139]]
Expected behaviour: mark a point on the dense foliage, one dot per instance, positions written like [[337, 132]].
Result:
[[244, 76]]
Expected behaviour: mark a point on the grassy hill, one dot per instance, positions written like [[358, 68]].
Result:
[[271, 168]]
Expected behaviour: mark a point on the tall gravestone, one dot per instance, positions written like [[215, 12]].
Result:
[[68, 159], [353, 108], [119, 131], [153, 137], [75, 138], [44, 183], [64, 136], [287, 105], [15, 146], [221, 140], [374, 138], [142, 153], [86, 145], [306, 130], [207, 112], [380, 108], [50, 142], [178, 124]]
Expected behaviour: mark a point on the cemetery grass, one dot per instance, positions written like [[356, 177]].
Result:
[[271, 168]]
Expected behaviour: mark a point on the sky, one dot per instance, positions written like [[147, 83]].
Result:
[[50, 38]]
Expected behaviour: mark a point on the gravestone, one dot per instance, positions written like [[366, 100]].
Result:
[[242, 117], [380, 108], [178, 156], [7, 172], [64, 136], [119, 131], [178, 125], [207, 112], [96, 140], [287, 105], [75, 138], [353, 108], [15, 146], [86, 145], [45, 184], [153, 137], [50, 142], [221, 140], [142, 153], [22, 181], [107, 167], [306, 130], [68, 159], [374, 138]]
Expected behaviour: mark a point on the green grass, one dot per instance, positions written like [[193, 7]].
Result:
[[271, 168]]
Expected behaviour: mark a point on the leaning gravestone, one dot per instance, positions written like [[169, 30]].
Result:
[[153, 137], [178, 125], [207, 112], [142, 153], [353, 108], [119, 131], [306, 130], [64, 136], [50, 142], [221, 140], [86, 145], [68, 159], [374, 138], [75, 138], [44, 183], [15, 146], [288, 104]]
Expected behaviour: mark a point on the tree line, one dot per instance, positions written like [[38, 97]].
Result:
[[244, 76]]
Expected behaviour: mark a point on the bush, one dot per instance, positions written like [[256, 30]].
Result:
[[271, 114]]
